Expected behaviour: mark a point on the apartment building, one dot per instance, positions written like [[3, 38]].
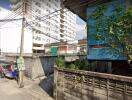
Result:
[[46, 23], [67, 25]]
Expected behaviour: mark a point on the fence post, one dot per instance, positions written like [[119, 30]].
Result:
[[124, 92], [107, 89], [93, 87], [55, 82]]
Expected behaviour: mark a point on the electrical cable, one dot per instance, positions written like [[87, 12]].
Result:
[[56, 14], [12, 13], [73, 7], [65, 35], [53, 13], [9, 18], [53, 16]]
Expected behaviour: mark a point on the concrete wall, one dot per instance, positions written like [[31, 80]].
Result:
[[36, 66], [84, 85]]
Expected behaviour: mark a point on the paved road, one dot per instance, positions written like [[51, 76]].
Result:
[[9, 91]]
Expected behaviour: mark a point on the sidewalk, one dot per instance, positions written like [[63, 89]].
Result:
[[9, 91]]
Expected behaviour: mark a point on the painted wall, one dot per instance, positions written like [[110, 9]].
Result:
[[102, 52]]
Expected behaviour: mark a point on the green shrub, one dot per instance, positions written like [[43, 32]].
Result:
[[79, 65], [60, 62], [72, 66]]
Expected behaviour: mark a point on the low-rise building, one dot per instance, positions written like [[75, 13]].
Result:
[[61, 48], [82, 46]]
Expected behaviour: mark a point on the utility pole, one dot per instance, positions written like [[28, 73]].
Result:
[[0, 40], [22, 31], [20, 60], [0, 37]]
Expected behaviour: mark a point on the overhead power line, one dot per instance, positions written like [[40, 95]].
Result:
[[58, 14], [12, 16], [48, 35], [46, 21], [73, 7], [8, 20], [48, 15], [12, 13]]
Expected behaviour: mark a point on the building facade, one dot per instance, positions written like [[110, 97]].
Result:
[[46, 22], [82, 46], [67, 25], [10, 33], [49, 23]]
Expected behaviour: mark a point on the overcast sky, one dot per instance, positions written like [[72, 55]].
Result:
[[80, 26]]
